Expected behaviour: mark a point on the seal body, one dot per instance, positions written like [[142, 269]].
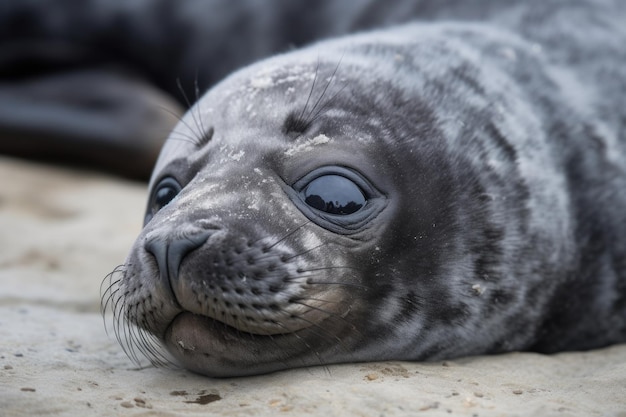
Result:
[[426, 191]]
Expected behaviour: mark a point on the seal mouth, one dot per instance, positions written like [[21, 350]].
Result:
[[212, 347], [222, 328]]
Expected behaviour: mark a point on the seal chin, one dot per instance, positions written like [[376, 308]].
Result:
[[210, 347]]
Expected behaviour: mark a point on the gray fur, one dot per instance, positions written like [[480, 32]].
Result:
[[493, 141]]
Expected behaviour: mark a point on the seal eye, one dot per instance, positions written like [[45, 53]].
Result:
[[334, 194], [162, 194], [337, 198]]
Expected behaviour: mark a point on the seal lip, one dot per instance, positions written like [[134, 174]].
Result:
[[214, 348], [224, 328]]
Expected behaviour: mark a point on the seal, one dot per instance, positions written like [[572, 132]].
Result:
[[426, 191]]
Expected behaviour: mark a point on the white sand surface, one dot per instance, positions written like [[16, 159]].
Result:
[[62, 231]]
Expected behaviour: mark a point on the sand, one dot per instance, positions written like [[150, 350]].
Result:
[[63, 230]]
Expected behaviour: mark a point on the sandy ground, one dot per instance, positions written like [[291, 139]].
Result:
[[62, 231]]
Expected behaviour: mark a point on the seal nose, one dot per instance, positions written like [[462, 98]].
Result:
[[169, 253]]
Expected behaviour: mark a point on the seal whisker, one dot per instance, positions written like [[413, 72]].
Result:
[[124, 335], [110, 300], [107, 295], [118, 269], [110, 296], [345, 284], [325, 105], [306, 104], [199, 140], [282, 238], [125, 332], [196, 90], [330, 314], [319, 99], [304, 342], [182, 137], [151, 348], [322, 334], [139, 341], [321, 245], [185, 137], [205, 134]]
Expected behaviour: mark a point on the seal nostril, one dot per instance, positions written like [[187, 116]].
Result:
[[169, 254]]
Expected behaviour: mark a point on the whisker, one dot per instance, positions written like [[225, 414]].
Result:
[[133, 340], [197, 93], [194, 116], [304, 342], [190, 138], [282, 238], [324, 268], [330, 314], [339, 284], [150, 347], [325, 105], [319, 99], [321, 245], [317, 67]]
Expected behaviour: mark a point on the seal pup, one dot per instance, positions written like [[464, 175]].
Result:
[[421, 192]]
